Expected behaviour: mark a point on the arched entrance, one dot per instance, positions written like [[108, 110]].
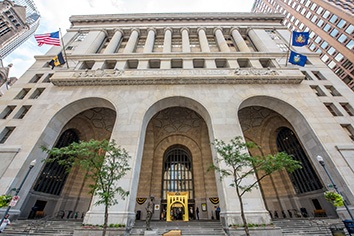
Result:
[[176, 157], [57, 193], [285, 195]]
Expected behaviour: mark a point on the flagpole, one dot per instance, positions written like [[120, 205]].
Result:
[[62, 42], [288, 52]]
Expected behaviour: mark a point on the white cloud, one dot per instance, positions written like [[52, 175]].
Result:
[[55, 15]]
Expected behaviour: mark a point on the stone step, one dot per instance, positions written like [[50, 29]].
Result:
[[191, 228]]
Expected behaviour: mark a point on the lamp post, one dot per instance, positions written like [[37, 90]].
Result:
[[19, 188], [321, 161]]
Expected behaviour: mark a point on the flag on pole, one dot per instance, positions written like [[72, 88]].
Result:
[[297, 59], [49, 38], [58, 60], [300, 38]]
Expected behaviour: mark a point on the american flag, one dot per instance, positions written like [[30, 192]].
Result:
[[49, 38]]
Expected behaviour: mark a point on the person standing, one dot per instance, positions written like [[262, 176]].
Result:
[[5, 222], [149, 212], [197, 213]]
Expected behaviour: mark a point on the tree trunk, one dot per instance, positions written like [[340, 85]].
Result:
[[105, 220], [245, 224]]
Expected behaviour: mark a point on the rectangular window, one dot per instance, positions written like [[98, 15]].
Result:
[[332, 91], [6, 112], [333, 109], [318, 75], [47, 78], [132, 64], [221, 63], [341, 23], [318, 91], [350, 29], [342, 38], [333, 18], [326, 14], [327, 27], [348, 108], [266, 63], [37, 93], [154, 64], [349, 130], [5, 134], [307, 76], [339, 57], [22, 93], [87, 65], [35, 78], [176, 63], [244, 63], [334, 33], [198, 63], [22, 112]]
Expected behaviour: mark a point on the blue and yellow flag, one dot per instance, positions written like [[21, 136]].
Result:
[[297, 59], [300, 38], [58, 60]]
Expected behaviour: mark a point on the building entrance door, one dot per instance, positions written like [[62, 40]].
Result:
[[177, 206]]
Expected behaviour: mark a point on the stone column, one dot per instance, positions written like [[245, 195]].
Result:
[[240, 43], [258, 37], [150, 39], [220, 39], [114, 43], [204, 45], [167, 43], [91, 43], [133, 39], [167, 48], [186, 48]]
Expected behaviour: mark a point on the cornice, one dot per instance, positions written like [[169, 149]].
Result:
[[175, 17]]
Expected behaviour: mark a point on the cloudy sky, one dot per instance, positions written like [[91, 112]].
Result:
[[55, 15]]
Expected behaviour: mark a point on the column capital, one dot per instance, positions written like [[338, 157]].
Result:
[[151, 29], [167, 28], [249, 29], [235, 28], [184, 28], [135, 29], [118, 30], [218, 28], [201, 28]]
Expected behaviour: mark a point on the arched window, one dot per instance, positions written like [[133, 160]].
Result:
[[304, 179], [53, 176], [177, 171]]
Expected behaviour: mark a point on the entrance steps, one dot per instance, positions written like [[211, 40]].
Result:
[[191, 228], [308, 226], [42, 227]]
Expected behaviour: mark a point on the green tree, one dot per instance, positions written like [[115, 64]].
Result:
[[103, 162], [239, 165]]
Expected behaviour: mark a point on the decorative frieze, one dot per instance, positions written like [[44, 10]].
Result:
[[193, 76]]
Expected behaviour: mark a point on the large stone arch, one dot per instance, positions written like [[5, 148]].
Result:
[[261, 117], [152, 153], [81, 116]]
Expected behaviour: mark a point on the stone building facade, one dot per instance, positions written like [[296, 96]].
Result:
[[164, 86]]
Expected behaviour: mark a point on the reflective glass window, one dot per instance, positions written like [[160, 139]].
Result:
[[326, 14], [350, 29], [331, 51], [327, 27], [342, 38], [339, 57], [350, 45], [319, 10], [324, 45], [334, 33], [333, 19], [341, 23]]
